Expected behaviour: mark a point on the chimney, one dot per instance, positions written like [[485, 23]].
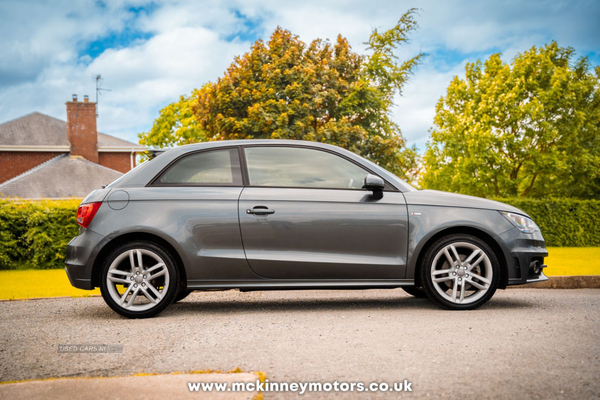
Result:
[[81, 128]]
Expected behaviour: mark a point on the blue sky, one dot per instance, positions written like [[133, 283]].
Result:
[[151, 52]]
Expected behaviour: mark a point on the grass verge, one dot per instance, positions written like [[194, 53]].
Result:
[[573, 261], [24, 284]]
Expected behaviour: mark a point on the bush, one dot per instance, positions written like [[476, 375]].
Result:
[[564, 222], [35, 234]]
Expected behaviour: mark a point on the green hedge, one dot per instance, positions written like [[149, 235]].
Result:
[[35, 234], [563, 222]]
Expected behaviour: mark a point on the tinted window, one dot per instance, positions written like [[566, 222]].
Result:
[[301, 167], [214, 167]]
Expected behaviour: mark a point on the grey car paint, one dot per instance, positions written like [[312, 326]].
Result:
[[332, 234], [317, 238]]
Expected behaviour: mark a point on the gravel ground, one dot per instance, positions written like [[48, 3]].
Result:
[[525, 343]]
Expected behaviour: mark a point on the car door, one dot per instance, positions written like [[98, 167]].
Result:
[[304, 215]]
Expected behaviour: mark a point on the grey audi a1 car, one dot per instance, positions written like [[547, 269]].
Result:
[[283, 214]]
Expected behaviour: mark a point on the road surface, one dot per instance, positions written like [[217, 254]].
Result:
[[525, 343]]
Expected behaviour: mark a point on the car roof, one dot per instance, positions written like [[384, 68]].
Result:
[[245, 142], [240, 142], [145, 172]]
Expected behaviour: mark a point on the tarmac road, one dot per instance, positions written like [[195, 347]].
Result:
[[525, 343]]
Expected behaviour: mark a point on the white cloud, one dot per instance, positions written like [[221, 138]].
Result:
[[41, 66], [147, 77], [415, 109], [143, 77]]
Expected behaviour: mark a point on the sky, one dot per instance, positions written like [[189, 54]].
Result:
[[151, 52]]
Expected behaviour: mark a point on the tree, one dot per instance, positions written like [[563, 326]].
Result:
[[287, 89], [530, 129], [176, 125]]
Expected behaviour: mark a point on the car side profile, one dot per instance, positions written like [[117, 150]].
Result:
[[283, 214]]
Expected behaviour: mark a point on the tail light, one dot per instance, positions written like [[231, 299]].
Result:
[[86, 213]]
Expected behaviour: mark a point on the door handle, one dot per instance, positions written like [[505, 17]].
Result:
[[260, 210]]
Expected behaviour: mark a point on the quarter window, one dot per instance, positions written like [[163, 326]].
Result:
[[208, 168], [301, 167]]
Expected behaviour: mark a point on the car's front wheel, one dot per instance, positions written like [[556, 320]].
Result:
[[415, 291], [460, 272], [139, 279]]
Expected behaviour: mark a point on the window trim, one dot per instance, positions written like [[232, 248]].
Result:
[[155, 182], [246, 176]]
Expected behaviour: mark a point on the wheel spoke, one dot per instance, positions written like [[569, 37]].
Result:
[[462, 291], [448, 257], [133, 296], [443, 279], [139, 259], [480, 259], [122, 281], [119, 272], [160, 273], [156, 292], [455, 253], [148, 296], [454, 290], [154, 268], [477, 285], [480, 278], [126, 293], [472, 256], [441, 271], [132, 260]]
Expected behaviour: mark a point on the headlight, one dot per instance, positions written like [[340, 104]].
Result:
[[525, 225]]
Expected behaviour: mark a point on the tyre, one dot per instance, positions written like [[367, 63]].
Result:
[[182, 295], [415, 291], [460, 272], [139, 279]]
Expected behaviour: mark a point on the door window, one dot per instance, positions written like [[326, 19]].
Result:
[[301, 167]]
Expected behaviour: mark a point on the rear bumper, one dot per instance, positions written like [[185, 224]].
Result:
[[81, 253]]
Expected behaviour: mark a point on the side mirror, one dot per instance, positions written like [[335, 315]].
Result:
[[374, 184]]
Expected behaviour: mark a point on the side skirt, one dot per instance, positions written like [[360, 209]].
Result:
[[276, 284]]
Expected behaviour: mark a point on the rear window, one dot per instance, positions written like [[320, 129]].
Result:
[[208, 168]]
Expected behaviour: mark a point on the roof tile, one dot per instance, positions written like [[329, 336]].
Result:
[[37, 129], [61, 177]]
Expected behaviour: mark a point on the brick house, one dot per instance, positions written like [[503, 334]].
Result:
[[44, 157]]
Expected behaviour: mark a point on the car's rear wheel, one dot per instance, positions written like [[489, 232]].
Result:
[[460, 272], [182, 295], [139, 279], [415, 291]]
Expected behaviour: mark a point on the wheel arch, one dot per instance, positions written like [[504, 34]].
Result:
[[469, 230], [131, 236]]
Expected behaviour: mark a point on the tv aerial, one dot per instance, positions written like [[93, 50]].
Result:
[[99, 90]]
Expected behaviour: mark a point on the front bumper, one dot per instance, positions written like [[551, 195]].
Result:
[[539, 278], [524, 255], [81, 254]]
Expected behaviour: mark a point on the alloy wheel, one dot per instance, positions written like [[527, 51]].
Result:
[[138, 280], [461, 272]]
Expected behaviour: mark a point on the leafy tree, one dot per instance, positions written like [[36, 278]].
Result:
[[287, 89], [176, 125], [531, 128]]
